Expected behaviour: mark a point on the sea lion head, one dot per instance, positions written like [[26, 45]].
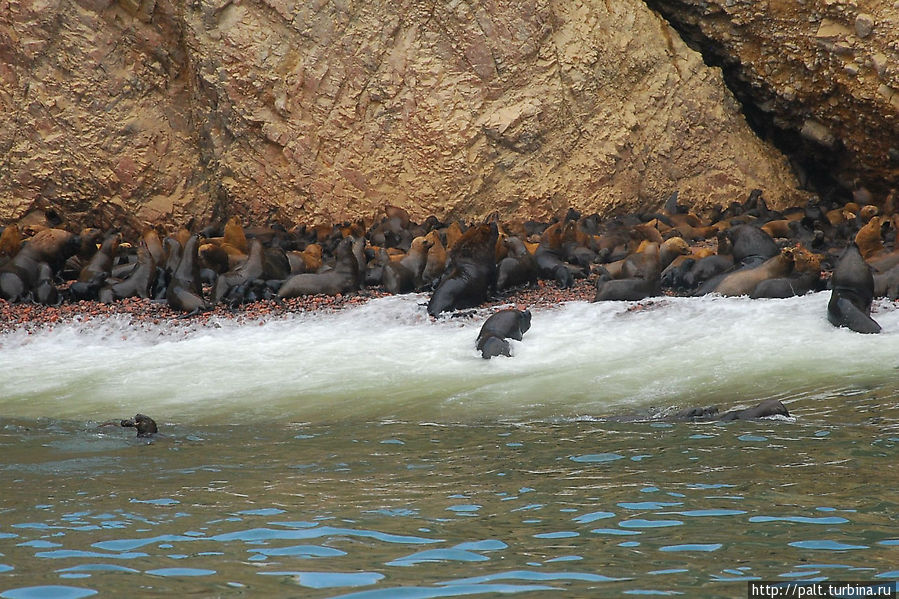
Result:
[[145, 425]]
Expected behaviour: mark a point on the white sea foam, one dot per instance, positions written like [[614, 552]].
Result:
[[387, 359]]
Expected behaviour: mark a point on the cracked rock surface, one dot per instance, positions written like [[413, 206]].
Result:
[[820, 75], [136, 111]]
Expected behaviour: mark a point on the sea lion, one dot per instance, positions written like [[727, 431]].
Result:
[[769, 407], [343, 278], [751, 245], [309, 260], [436, 260], [146, 426], [45, 291], [248, 271], [184, 291], [96, 271], [641, 272], [139, 283], [518, 267], [10, 242], [853, 292], [744, 280], [416, 259], [549, 258], [505, 324], [19, 275], [471, 273]]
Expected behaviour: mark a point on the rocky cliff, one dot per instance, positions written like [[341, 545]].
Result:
[[819, 78], [133, 111]]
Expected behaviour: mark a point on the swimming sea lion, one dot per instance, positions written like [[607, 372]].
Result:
[[146, 426], [853, 292], [471, 273], [769, 407], [505, 324]]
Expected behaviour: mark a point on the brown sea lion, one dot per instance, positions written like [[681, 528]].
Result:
[[743, 281], [308, 260], [10, 242], [343, 278], [471, 273]]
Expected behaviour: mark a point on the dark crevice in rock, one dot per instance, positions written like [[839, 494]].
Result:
[[816, 166]]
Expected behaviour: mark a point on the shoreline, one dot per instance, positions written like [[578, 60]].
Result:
[[33, 317]]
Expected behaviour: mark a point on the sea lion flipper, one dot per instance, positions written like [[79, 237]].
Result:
[[850, 316]]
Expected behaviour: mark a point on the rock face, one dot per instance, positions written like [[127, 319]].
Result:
[[821, 78], [133, 111]]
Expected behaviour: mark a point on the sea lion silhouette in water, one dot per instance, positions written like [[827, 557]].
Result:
[[471, 274], [146, 426], [769, 407], [505, 324], [853, 292]]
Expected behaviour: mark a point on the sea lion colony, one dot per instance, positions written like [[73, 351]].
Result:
[[744, 249]]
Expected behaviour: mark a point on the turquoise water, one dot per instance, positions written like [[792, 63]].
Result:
[[447, 475]]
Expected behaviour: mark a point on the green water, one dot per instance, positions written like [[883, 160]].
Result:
[[372, 508]]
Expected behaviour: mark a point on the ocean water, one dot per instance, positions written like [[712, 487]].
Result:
[[373, 453]]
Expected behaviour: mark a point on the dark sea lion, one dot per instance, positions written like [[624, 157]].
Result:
[[783, 287], [751, 245], [769, 407], [250, 270], [343, 278], [146, 426], [96, 271], [45, 292], [184, 291], [549, 258], [853, 293], [518, 268], [395, 277], [471, 273], [19, 275], [641, 272], [505, 324], [139, 283]]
